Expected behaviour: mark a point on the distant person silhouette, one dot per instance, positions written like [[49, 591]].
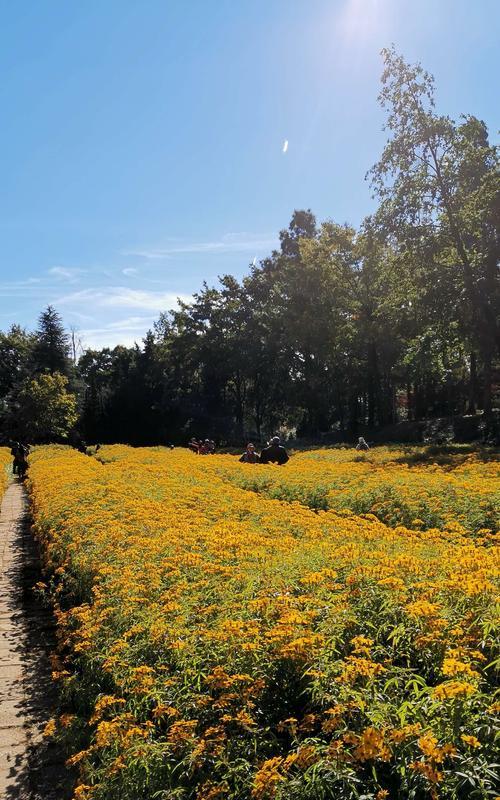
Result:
[[275, 453]]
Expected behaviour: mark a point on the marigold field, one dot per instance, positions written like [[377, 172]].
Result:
[[5, 463], [325, 630]]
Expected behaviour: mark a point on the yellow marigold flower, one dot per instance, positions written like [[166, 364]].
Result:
[[371, 745], [212, 791], [430, 772], [454, 689], [161, 711], [361, 645], [105, 702], [76, 758], [470, 740], [182, 732], [399, 735], [267, 779], [452, 667], [83, 792], [422, 608], [360, 668], [428, 745], [107, 733], [306, 755], [118, 764], [50, 728]]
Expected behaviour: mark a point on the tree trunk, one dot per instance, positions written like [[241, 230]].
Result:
[[353, 412], [471, 409], [409, 402], [487, 381]]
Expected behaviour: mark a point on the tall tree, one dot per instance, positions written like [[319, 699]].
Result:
[[51, 350], [438, 183]]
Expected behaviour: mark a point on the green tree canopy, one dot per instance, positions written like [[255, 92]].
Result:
[[45, 411]]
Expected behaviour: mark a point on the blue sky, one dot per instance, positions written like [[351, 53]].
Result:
[[142, 141]]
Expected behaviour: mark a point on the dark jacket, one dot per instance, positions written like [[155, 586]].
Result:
[[274, 454], [250, 458]]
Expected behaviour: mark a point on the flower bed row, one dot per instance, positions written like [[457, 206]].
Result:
[[214, 643], [462, 494], [5, 463]]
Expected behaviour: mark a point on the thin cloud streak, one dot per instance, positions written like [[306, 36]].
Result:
[[126, 332], [230, 243], [26, 288], [70, 274], [122, 297]]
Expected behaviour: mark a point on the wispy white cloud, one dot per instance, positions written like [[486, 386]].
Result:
[[70, 274], [79, 316], [131, 323], [97, 338], [30, 286], [126, 332], [285, 146], [229, 243], [121, 297], [130, 271]]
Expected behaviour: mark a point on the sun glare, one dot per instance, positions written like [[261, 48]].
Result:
[[360, 20]]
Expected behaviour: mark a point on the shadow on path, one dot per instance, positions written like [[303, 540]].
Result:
[[31, 768]]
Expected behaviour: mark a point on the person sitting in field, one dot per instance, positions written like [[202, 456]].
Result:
[[275, 453], [362, 445], [194, 445], [250, 456]]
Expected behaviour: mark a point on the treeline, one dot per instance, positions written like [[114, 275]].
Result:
[[337, 329]]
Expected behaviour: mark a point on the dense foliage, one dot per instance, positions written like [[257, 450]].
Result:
[[338, 328], [215, 643], [36, 379]]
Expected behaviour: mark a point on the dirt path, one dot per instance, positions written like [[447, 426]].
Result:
[[30, 768]]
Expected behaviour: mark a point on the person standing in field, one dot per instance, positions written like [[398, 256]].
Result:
[[20, 464], [250, 456], [275, 453], [14, 451], [362, 445], [23, 462]]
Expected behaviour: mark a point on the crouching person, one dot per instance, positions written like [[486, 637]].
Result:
[[250, 456]]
